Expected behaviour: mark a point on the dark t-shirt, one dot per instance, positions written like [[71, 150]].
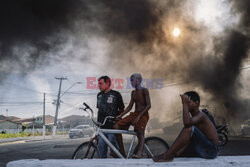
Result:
[[108, 105]]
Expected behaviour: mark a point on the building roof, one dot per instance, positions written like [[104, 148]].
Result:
[[9, 121]]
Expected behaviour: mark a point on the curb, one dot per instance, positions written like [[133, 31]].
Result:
[[222, 161], [27, 139]]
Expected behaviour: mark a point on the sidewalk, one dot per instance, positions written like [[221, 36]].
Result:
[[221, 161], [31, 138]]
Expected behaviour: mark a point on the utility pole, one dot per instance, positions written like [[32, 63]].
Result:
[[33, 129], [57, 104], [44, 127]]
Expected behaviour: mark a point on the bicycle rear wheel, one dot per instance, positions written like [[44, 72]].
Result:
[[87, 150], [153, 146]]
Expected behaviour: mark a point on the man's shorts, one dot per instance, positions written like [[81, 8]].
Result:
[[200, 146], [127, 121]]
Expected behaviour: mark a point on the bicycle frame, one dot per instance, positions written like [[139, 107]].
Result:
[[100, 132]]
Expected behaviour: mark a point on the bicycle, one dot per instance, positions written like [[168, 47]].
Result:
[[153, 146]]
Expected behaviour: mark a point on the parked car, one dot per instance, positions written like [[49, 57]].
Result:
[[81, 131], [245, 128]]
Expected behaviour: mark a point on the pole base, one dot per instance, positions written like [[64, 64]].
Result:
[[44, 131], [54, 131]]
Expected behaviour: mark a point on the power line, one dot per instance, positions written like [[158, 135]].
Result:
[[27, 89], [24, 88]]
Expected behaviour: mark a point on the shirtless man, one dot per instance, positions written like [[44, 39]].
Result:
[[198, 138], [139, 118]]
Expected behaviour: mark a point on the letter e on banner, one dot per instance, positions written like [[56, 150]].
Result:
[[90, 83]]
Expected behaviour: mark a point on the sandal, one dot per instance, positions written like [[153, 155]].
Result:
[[137, 156]]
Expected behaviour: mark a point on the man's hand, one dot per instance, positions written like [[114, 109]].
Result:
[[185, 99], [136, 120], [119, 117]]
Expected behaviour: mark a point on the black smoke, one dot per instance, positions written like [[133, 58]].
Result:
[[38, 27], [139, 32], [30, 29], [219, 73]]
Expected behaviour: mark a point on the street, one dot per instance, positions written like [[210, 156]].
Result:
[[48, 149], [64, 148]]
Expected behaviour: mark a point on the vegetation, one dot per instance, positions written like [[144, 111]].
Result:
[[26, 134], [13, 135]]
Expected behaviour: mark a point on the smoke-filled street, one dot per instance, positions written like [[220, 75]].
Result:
[[160, 66], [195, 45]]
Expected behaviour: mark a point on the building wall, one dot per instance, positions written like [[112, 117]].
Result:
[[48, 119], [10, 127]]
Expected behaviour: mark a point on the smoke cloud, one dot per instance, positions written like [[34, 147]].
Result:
[[219, 73], [32, 29], [139, 34]]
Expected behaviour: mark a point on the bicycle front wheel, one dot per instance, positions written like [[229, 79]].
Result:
[[153, 146], [87, 150]]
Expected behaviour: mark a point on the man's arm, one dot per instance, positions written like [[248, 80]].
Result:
[[120, 104], [130, 106], [97, 106], [187, 119]]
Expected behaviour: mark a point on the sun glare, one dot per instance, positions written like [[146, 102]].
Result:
[[176, 32]]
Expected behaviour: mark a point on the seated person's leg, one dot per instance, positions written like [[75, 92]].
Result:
[[140, 129], [102, 146], [140, 136], [180, 142], [119, 140], [122, 125], [203, 147]]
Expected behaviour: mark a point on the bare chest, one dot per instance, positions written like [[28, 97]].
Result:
[[139, 96]]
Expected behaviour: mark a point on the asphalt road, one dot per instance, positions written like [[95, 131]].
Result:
[[64, 148]]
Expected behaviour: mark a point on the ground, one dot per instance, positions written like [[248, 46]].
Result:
[[63, 148]]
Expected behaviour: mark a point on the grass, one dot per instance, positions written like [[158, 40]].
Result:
[[14, 135], [26, 134]]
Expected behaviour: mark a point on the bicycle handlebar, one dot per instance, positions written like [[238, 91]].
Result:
[[87, 106], [92, 116]]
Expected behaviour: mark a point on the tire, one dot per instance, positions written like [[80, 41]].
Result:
[[81, 135], [83, 153], [244, 133], [156, 146], [223, 139]]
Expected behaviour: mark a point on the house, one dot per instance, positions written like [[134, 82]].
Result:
[[48, 119], [11, 118], [10, 126], [2, 117], [38, 121], [74, 120]]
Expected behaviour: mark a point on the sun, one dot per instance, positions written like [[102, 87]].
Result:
[[176, 32]]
